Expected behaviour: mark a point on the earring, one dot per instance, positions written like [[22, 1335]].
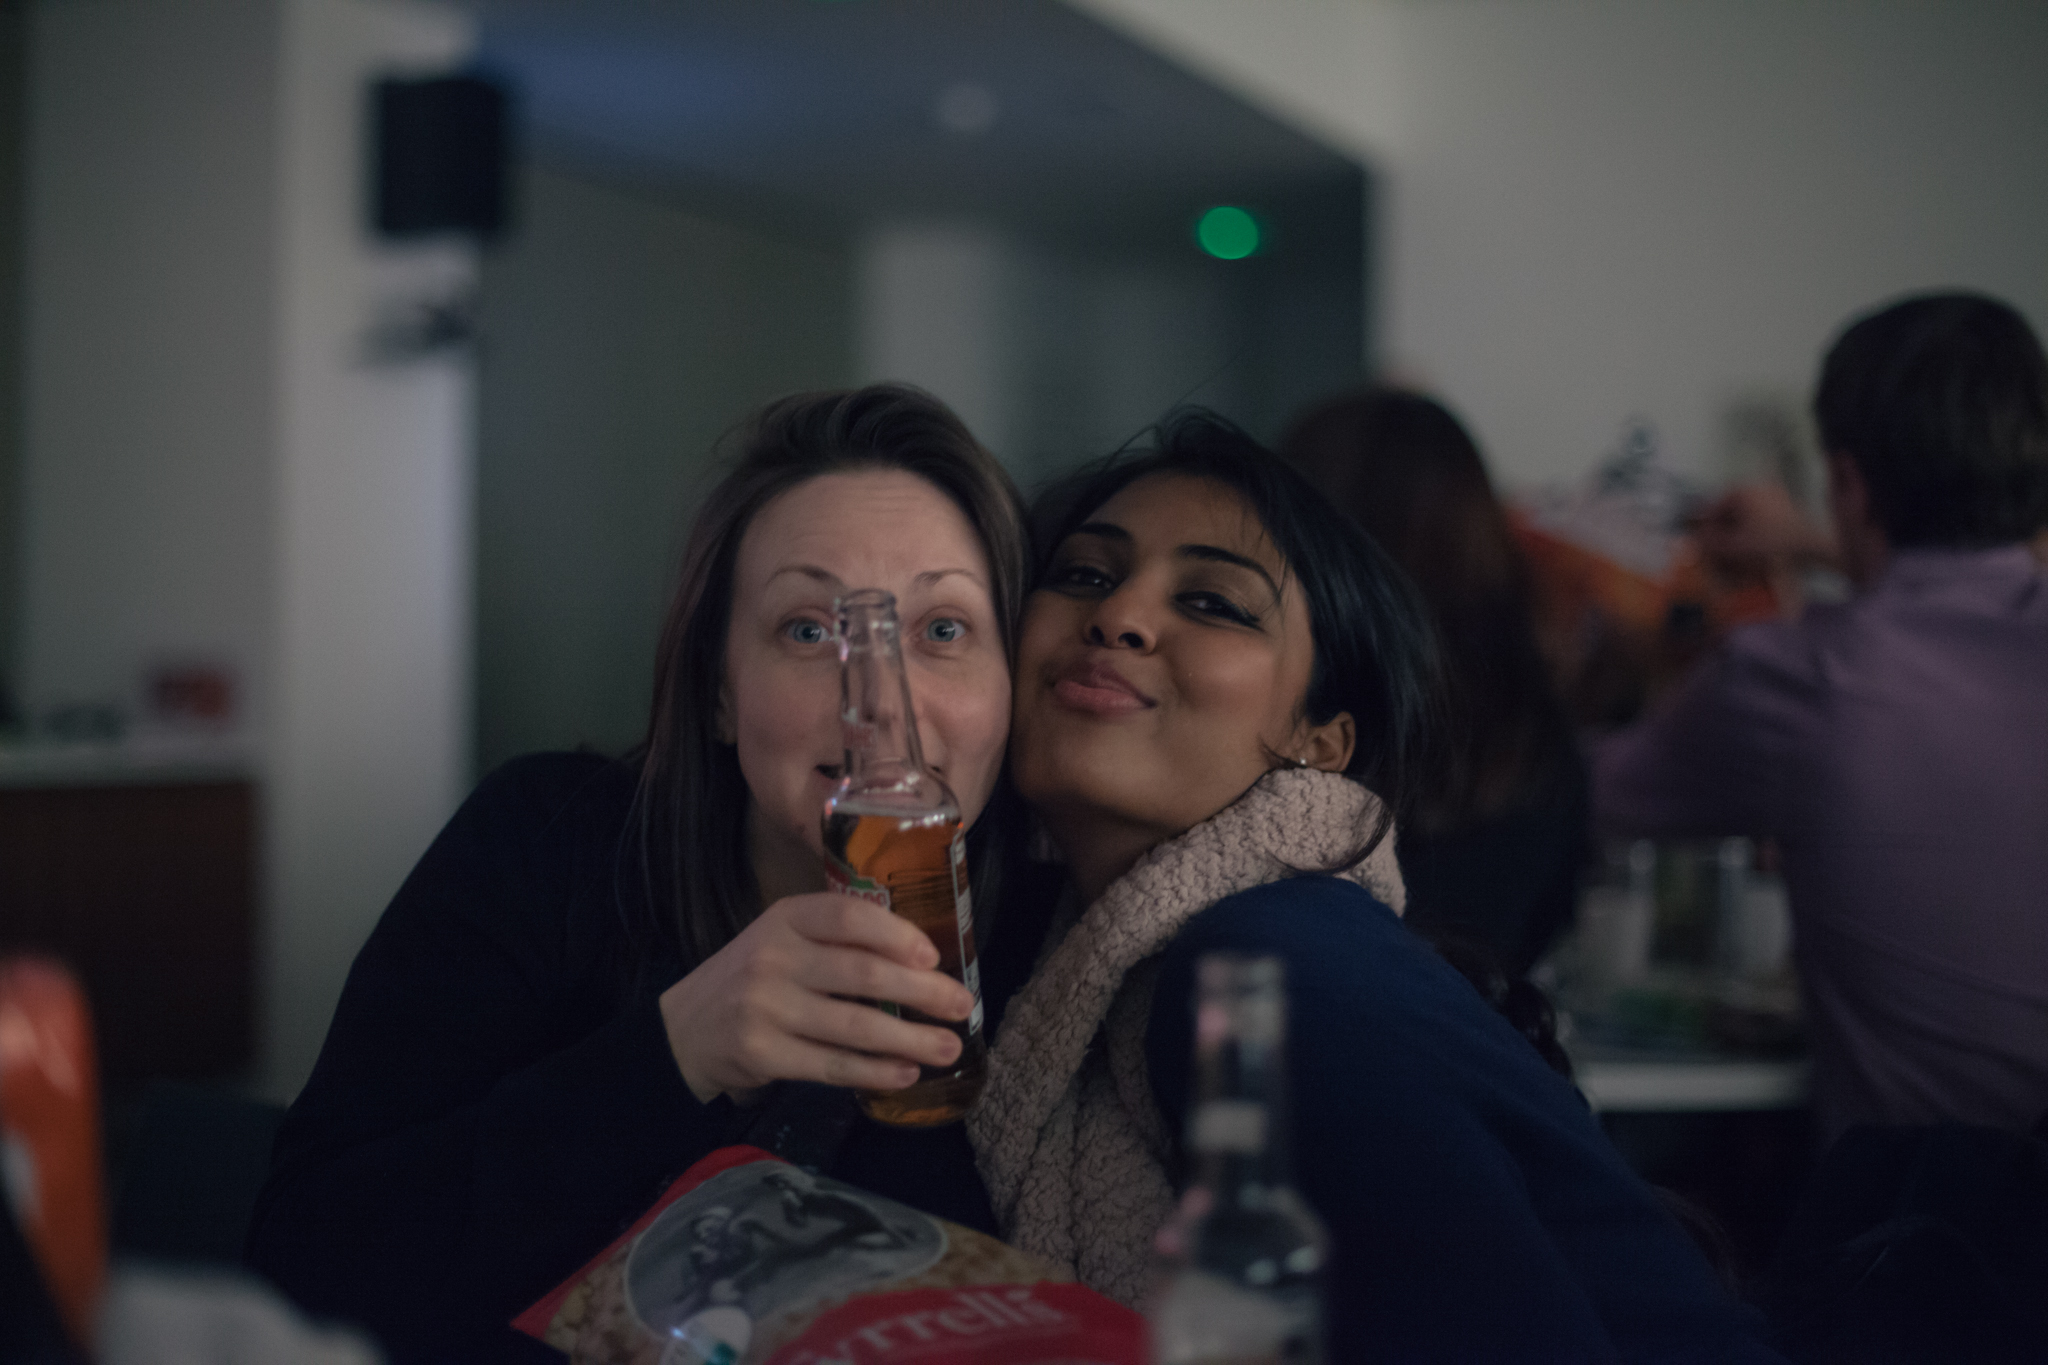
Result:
[[1301, 763]]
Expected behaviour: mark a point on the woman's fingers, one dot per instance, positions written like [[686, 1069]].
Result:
[[855, 923], [836, 1066], [858, 1027], [785, 1001], [868, 976], [801, 1035]]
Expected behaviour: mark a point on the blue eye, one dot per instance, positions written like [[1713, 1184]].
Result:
[[808, 632], [945, 630]]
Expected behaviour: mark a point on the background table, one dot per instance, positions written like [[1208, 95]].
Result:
[[1616, 1081]]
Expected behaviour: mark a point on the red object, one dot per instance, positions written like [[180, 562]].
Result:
[[1571, 579], [50, 1133], [993, 1324], [534, 1321], [197, 692], [1033, 1323]]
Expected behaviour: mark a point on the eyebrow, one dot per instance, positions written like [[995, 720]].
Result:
[[931, 576], [832, 580], [810, 571], [1215, 554]]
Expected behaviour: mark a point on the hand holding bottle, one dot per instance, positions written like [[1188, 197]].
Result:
[[1756, 528], [781, 1002]]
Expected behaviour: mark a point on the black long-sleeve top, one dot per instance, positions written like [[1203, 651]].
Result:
[[496, 1101]]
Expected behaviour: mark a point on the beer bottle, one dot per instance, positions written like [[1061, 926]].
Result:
[[893, 836], [1240, 1261]]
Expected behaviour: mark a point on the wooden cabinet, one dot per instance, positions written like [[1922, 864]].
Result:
[[147, 889]]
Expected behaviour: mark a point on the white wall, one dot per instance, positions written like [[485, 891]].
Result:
[[938, 306], [1050, 357], [1598, 208], [368, 752], [623, 335], [147, 471], [13, 146], [211, 466]]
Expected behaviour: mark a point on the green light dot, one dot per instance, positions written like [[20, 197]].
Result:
[[1227, 233]]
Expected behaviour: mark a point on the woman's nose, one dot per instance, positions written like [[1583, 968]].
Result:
[[1117, 624], [931, 740]]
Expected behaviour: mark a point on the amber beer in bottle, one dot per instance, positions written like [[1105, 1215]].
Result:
[[893, 836]]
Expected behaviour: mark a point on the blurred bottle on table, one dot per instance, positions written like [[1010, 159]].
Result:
[[1617, 918], [1240, 1275]]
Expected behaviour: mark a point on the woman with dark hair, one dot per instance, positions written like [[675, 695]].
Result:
[[1221, 690], [602, 971], [1493, 851]]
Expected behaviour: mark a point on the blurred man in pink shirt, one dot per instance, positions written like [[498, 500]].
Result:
[[1895, 745]]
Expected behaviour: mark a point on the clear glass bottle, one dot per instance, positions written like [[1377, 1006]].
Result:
[[893, 836], [1240, 1261]]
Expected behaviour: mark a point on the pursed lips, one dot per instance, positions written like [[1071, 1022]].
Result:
[[831, 771], [1098, 689]]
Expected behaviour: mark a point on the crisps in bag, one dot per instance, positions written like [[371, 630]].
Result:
[[748, 1260]]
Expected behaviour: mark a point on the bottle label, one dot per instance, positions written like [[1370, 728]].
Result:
[[1234, 1127], [844, 881], [963, 923]]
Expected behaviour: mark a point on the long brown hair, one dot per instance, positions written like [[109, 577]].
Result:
[[1406, 470], [691, 807]]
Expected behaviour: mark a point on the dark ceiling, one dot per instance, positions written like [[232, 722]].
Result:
[[1024, 112]]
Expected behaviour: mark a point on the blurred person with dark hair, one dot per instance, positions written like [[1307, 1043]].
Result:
[[1896, 745], [1493, 853]]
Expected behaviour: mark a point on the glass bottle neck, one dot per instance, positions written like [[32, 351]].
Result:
[[882, 749], [1236, 1134]]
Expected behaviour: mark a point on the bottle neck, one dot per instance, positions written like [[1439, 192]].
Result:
[[1237, 1127], [882, 749], [1248, 1177]]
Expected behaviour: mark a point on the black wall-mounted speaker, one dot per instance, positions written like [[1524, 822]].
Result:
[[442, 147]]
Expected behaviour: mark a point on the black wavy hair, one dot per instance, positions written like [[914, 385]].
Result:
[[1375, 655], [1942, 402]]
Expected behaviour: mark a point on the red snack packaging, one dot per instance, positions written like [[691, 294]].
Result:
[[50, 1133], [748, 1260]]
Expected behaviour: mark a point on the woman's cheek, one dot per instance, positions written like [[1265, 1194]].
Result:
[[977, 729], [1235, 686], [794, 724]]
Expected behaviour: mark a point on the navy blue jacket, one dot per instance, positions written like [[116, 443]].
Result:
[[1478, 1211]]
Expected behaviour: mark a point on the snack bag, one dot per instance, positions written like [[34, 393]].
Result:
[[50, 1133], [748, 1260]]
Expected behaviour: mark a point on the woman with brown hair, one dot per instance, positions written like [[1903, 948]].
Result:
[[603, 970], [1493, 851]]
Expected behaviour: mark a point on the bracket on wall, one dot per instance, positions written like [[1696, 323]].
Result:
[[423, 328]]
